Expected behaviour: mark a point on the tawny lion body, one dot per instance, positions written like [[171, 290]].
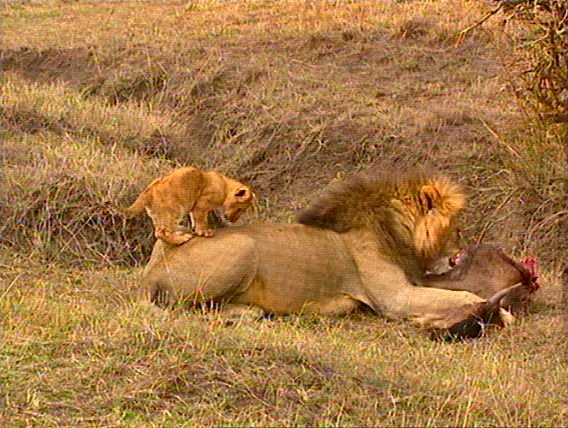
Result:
[[189, 190], [358, 245]]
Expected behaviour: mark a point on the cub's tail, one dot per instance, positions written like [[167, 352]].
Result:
[[139, 205], [136, 208]]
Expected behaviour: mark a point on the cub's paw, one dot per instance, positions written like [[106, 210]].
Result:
[[182, 237], [176, 238]]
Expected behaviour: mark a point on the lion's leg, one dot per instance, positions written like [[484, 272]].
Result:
[[200, 220], [336, 306], [203, 270], [391, 294], [153, 294], [156, 292], [233, 313], [445, 312], [168, 228]]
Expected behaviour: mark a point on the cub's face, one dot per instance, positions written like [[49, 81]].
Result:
[[237, 202]]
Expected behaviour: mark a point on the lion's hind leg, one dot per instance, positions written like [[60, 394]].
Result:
[[168, 226], [220, 271], [153, 292], [173, 236], [339, 305]]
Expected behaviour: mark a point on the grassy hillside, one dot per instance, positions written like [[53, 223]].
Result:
[[100, 97]]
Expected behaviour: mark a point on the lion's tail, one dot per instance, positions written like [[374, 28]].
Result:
[[141, 202], [137, 207]]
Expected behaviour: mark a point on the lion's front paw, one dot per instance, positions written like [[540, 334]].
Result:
[[184, 238], [470, 321], [177, 238], [207, 233]]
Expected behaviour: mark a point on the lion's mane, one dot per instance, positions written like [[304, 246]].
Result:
[[410, 212]]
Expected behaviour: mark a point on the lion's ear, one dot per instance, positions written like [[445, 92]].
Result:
[[243, 193], [430, 197]]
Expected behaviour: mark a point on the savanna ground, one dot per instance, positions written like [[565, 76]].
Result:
[[99, 97]]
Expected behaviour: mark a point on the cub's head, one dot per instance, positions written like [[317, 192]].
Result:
[[237, 201]]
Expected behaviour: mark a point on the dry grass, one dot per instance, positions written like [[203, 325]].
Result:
[[77, 352], [98, 98], [286, 95]]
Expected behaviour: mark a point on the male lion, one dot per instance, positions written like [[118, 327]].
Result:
[[189, 190], [359, 244]]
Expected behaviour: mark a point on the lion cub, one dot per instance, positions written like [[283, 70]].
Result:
[[189, 190]]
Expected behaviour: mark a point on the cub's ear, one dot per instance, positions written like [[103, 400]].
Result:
[[244, 193], [430, 197]]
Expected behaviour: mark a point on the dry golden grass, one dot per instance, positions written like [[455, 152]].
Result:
[[98, 98], [77, 352], [287, 94]]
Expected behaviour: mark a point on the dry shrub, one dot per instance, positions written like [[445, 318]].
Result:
[[532, 155], [58, 195], [537, 173], [537, 53], [321, 92], [543, 63]]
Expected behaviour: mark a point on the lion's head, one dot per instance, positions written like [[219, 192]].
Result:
[[412, 213], [237, 201]]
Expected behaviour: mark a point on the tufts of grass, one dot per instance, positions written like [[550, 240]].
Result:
[[57, 198], [77, 351], [32, 108], [286, 96]]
